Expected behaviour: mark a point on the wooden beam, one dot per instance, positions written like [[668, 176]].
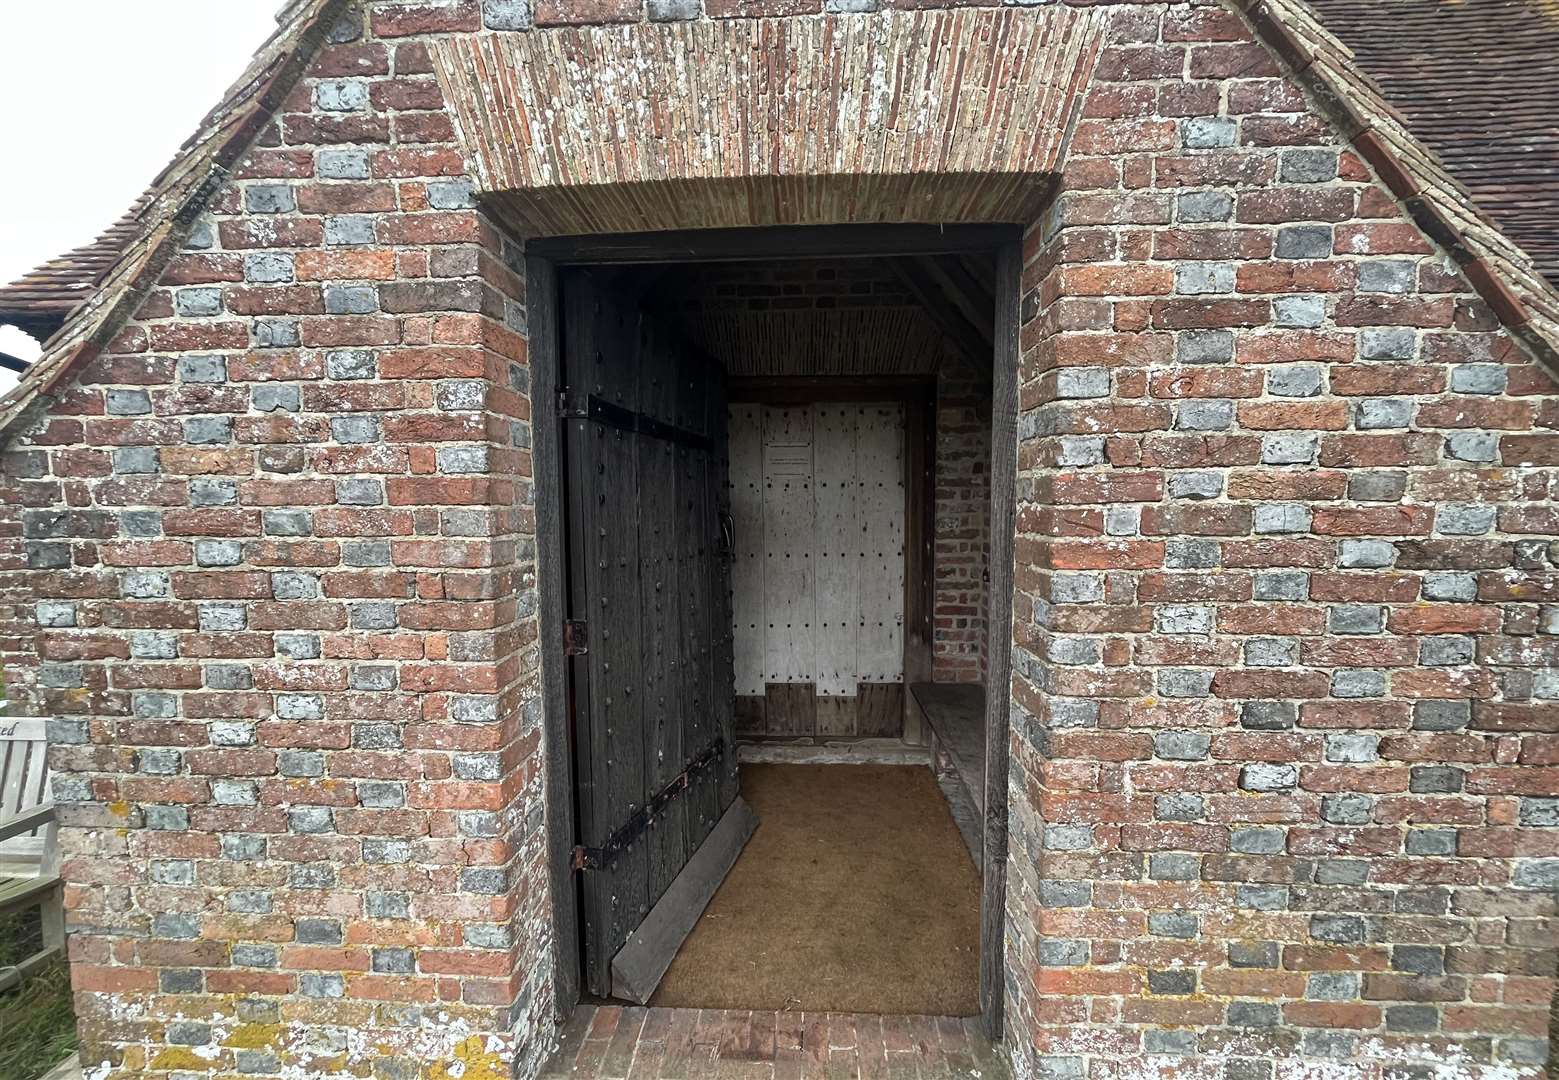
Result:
[[947, 318], [541, 295], [976, 306], [641, 963], [767, 244], [998, 621]]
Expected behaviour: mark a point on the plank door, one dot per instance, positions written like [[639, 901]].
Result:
[[659, 816]]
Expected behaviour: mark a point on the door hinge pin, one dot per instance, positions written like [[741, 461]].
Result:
[[576, 637]]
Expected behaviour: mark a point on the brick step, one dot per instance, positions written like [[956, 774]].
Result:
[[609, 1042]]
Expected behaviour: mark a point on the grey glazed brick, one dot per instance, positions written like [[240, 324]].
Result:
[[1068, 838], [1253, 954], [1168, 1041], [1204, 346], [1198, 206], [452, 194], [350, 230], [1386, 275], [1333, 986], [1307, 166], [1536, 874], [1430, 842], [1208, 414], [1540, 812], [1355, 619], [341, 95], [1304, 242], [287, 523], [1295, 380], [1436, 779], [1366, 554], [1184, 682], [1076, 588], [1271, 652], [274, 398], [1373, 414], [1473, 446], [1290, 448], [208, 491], [199, 302], [1268, 776], [386, 905], [127, 402], [1339, 929], [1464, 519], [1061, 894], [346, 164], [271, 198], [1450, 585], [1441, 715], [1281, 585], [1353, 747], [1377, 485], [202, 369], [1261, 897], [1258, 840], [1174, 924], [1208, 132], [1253, 1014], [1479, 378], [268, 267], [1268, 715], [1388, 343], [1080, 451], [1195, 485], [351, 364], [1281, 518], [507, 14], [1063, 952], [208, 430], [1299, 312], [276, 333], [1181, 745], [1177, 981], [684, 10], [1342, 872], [1445, 651], [1173, 866], [1348, 809], [1083, 382], [1358, 683], [1179, 807], [1190, 553], [1203, 278], [351, 299], [1183, 619], [356, 429]]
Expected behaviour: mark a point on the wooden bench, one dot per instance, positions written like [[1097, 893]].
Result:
[[955, 715], [29, 849]]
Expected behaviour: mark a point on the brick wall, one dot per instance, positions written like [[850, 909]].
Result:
[[280, 553], [1285, 624], [963, 492], [1283, 792]]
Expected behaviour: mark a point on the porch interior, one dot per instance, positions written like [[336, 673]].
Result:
[[858, 448]]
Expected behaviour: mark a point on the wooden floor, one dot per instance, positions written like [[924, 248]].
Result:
[[711, 1044]]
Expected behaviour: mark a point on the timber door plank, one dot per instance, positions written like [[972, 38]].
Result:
[[653, 691]]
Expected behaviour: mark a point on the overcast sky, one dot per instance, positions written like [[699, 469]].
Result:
[[92, 110]]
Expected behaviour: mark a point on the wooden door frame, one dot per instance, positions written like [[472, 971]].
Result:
[[543, 258]]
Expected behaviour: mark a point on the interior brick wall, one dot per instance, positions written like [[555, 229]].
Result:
[[962, 514]]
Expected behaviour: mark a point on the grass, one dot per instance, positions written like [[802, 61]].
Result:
[[37, 1022]]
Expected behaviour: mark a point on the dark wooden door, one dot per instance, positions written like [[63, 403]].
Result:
[[651, 674]]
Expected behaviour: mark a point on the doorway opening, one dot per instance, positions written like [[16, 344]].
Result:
[[777, 779]]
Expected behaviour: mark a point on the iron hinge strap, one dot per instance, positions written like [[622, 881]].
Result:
[[573, 405], [595, 858]]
